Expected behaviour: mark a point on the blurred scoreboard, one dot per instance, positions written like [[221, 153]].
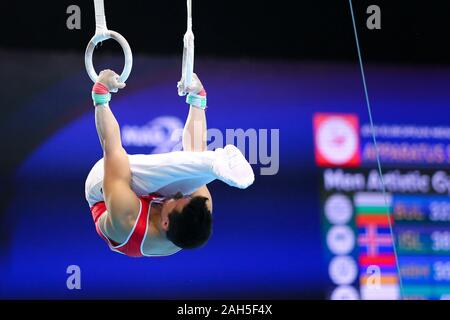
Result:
[[390, 238], [360, 251]]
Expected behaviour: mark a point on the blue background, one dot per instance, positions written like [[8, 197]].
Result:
[[267, 239]]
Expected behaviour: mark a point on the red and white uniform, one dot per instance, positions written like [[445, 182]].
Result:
[[158, 175], [166, 175], [133, 246]]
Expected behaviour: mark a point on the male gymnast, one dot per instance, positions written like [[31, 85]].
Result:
[[157, 205]]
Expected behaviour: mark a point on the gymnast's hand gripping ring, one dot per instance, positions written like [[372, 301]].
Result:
[[102, 33]]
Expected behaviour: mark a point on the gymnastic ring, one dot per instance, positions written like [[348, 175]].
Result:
[[126, 50]]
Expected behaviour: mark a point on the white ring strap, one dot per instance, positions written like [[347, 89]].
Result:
[[188, 53], [189, 12], [101, 34]]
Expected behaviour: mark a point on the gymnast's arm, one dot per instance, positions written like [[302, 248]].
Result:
[[121, 202], [195, 135]]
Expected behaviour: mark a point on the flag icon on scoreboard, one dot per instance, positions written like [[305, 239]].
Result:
[[378, 275], [374, 240], [374, 233], [381, 260]]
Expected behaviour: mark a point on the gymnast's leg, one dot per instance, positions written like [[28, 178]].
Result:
[[184, 171], [195, 167]]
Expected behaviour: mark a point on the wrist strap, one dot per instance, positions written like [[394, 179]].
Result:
[[100, 94], [197, 100], [100, 99]]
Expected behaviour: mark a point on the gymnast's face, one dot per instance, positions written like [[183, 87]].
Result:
[[174, 204]]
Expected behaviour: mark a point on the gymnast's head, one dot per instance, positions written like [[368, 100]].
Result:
[[187, 221]]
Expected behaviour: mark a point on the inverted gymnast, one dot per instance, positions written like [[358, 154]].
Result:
[[156, 205]]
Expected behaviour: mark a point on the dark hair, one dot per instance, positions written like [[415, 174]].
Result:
[[192, 227]]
